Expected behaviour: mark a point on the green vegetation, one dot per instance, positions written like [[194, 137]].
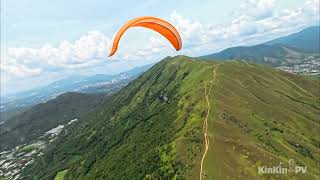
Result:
[[5, 115], [30, 124], [60, 175], [259, 116], [28, 148], [265, 115], [316, 76]]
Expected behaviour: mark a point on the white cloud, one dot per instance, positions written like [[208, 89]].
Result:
[[19, 70], [254, 21], [256, 9], [85, 52], [20, 66]]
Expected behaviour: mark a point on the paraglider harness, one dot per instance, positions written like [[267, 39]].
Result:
[[164, 97]]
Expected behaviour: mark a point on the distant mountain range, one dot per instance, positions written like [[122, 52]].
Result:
[[100, 83], [306, 40], [298, 48]]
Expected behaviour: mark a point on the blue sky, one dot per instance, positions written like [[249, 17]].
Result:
[[43, 40]]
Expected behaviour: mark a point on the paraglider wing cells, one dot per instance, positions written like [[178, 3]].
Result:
[[156, 24]]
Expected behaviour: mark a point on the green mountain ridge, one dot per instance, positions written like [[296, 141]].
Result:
[[258, 116], [307, 40], [294, 49], [274, 55]]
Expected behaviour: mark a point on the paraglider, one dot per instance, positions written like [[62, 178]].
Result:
[[161, 26]]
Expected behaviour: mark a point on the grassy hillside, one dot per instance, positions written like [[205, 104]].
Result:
[[262, 117], [248, 115], [32, 123]]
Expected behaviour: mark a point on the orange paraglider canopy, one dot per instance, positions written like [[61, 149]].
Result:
[[156, 24]]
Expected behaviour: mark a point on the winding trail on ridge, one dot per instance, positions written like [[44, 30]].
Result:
[[205, 123]]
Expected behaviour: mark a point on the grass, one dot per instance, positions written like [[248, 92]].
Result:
[[253, 120], [28, 148], [258, 115], [60, 175]]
